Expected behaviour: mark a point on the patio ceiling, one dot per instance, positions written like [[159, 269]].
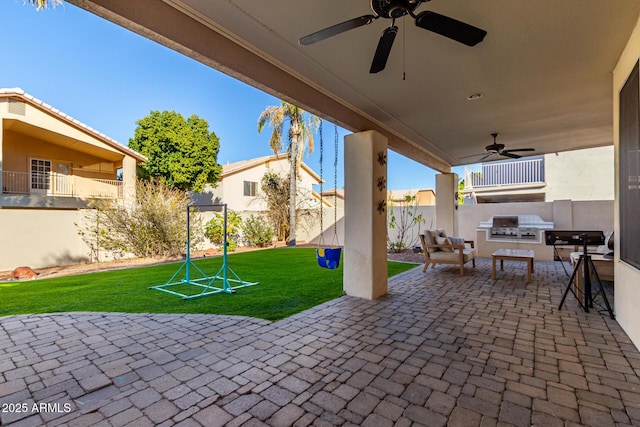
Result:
[[544, 68]]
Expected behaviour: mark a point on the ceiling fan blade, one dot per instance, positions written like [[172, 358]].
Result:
[[451, 28], [486, 157], [508, 154], [337, 29], [383, 50], [519, 149]]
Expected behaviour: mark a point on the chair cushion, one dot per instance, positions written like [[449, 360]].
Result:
[[444, 241], [456, 240], [430, 237], [452, 257]]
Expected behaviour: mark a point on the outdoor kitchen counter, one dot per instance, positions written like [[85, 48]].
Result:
[[523, 232], [485, 248]]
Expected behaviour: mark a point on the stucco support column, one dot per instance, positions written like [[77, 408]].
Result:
[[447, 203], [129, 179], [365, 173]]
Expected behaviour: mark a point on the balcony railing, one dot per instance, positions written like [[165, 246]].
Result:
[[503, 174], [55, 184]]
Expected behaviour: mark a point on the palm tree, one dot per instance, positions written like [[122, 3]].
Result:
[[300, 136], [44, 3]]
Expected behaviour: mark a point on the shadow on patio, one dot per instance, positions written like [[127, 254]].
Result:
[[438, 349]]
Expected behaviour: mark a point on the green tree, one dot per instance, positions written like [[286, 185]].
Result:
[[459, 193], [183, 152], [275, 192], [299, 137]]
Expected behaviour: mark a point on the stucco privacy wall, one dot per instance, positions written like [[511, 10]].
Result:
[[40, 238], [565, 214], [589, 215], [627, 284]]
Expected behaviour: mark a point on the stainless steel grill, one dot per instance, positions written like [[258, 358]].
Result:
[[515, 227]]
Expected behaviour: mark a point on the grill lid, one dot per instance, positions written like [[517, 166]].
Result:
[[505, 221]]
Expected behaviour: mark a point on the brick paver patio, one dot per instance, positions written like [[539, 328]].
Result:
[[439, 349]]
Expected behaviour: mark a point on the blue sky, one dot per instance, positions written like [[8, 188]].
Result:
[[108, 78]]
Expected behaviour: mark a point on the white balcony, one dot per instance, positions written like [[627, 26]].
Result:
[[55, 184], [504, 174]]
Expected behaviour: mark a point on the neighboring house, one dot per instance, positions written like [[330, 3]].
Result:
[[240, 182], [423, 197], [573, 175], [52, 166], [240, 188], [334, 197]]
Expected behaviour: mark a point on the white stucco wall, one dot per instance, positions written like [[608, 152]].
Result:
[[627, 278], [40, 238], [580, 174]]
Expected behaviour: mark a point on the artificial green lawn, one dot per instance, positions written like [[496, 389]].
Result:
[[290, 281]]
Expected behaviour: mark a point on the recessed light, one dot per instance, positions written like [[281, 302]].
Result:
[[474, 96]]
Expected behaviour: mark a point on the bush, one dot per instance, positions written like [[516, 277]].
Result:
[[155, 225], [214, 229], [256, 232]]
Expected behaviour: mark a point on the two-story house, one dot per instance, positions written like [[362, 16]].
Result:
[[577, 175], [52, 166], [240, 188]]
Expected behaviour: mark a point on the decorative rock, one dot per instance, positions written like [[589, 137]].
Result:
[[23, 273]]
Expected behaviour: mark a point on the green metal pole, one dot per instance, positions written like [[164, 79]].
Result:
[[225, 278]]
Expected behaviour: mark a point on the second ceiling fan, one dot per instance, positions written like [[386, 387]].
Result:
[[499, 149], [393, 9]]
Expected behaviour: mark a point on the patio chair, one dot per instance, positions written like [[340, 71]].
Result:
[[440, 249]]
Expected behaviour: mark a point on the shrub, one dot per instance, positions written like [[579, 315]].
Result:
[[257, 232], [405, 219], [214, 229], [155, 225]]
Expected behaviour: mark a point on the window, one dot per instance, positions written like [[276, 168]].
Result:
[[40, 172], [629, 161], [250, 188]]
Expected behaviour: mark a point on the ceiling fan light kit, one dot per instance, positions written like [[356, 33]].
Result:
[[392, 9]]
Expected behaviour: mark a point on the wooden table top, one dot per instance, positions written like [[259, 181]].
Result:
[[514, 253]]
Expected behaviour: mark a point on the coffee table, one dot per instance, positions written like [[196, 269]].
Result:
[[512, 255]]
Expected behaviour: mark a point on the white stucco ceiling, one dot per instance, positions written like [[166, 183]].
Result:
[[544, 68]]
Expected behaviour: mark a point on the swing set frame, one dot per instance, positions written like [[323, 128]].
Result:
[[329, 256], [206, 283]]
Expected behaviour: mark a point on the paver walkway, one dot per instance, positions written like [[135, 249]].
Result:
[[440, 348]]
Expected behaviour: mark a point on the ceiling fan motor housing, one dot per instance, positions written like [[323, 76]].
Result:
[[494, 148], [393, 9]]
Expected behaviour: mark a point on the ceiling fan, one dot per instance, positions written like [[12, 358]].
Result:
[[499, 149], [393, 9]]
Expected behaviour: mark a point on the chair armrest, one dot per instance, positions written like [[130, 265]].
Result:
[[471, 243]]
